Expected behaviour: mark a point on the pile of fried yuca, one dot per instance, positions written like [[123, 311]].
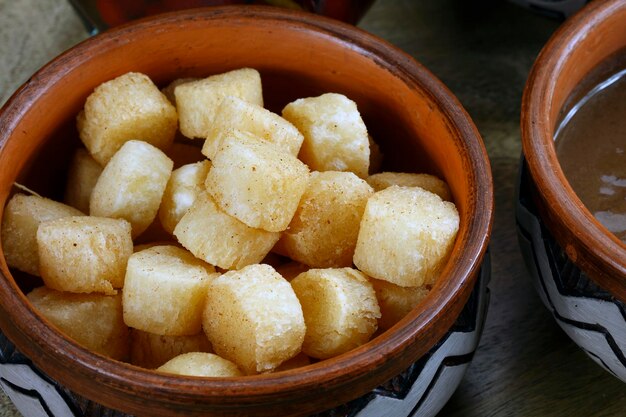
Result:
[[267, 248]]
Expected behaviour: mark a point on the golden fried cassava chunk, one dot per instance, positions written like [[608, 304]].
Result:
[[22, 216], [84, 254], [184, 185], [406, 236], [197, 101], [236, 114], [81, 178], [164, 291], [92, 320], [395, 301], [340, 310], [256, 182], [131, 185], [406, 179], [200, 364], [150, 350], [127, 107], [323, 232], [253, 318], [219, 239], [335, 137]]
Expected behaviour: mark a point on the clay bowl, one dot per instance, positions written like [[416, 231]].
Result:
[[578, 265], [420, 127]]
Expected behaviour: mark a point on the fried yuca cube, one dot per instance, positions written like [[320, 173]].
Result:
[[428, 182], [84, 254], [253, 318], [92, 320], [131, 185], [197, 101], [127, 107], [184, 185], [335, 137], [164, 291], [82, 177], [22, 216], [406, 236], [150, 350], [395, 301], [235, 113], [220, 239], [200, 364], [340, 310], [256, 182], [323, 232]]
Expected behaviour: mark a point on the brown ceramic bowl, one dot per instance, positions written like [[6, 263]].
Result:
[[420, 127], [578, 266], [579, 46]]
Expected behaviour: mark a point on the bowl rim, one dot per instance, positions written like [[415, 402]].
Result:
[[587, 242], [340, 371]]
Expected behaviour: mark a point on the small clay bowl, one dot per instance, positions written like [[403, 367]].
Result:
[[578, 265], [418, 123]]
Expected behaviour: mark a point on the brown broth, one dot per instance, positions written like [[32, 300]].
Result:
[[591, 145]]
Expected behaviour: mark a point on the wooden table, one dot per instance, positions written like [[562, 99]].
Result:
[[483, 50]]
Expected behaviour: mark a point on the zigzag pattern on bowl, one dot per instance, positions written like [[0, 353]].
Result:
[[590, 316], [427, 385], [422, 390]]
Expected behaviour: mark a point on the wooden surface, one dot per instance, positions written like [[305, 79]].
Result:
[[483, 50]]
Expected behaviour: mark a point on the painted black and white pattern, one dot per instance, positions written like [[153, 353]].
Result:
[[420, 391], [425, 387], [590, 316]]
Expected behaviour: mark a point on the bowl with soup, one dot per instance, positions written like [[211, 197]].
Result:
[[571, 202]]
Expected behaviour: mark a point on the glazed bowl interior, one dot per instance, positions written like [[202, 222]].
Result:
[[578, 47], [418, 124]]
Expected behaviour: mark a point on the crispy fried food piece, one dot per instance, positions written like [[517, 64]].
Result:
[[323, 232], [197, 101], [237, 114], [84, 254], [200, 364], [22, 216], [406, 236], [256, 182], [428, 182], [340, 310], [164, 291], [220, 239], [127, 107], [131, 185], [253, 318], [335, 136]]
